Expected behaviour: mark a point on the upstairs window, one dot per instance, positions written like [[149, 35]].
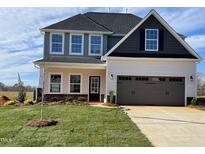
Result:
[[57, 43], [76, 44], [95, 45], [151, 39]]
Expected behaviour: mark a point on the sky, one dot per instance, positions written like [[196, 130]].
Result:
[[21, 42]]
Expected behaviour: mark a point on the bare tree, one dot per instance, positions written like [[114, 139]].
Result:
[[200, 84]]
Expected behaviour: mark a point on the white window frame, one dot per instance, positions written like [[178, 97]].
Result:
[[70, 44], [152, 39], [61, 85], [101, 46], [63, 38], [69, 77]]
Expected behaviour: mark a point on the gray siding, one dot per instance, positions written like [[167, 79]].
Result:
[[67, 44], [112, 40], [105, 42], [46, 45], [132, 44]]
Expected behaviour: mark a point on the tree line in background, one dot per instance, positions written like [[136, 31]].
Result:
[[200, 85], [15, 87]]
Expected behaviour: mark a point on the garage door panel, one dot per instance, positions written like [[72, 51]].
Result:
[[145, 91]]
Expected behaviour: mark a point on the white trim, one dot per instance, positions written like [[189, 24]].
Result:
[[152, 39], [151, 59], [49, 79], [72, 65], [81, 83], [63, 41], [165, 24], [74, 31], [70, 44], [89, 45]]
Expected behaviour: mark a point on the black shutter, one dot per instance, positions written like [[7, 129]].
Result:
[[142, 39], [161, 40]]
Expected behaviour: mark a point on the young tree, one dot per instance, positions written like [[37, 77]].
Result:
[[21, 90]]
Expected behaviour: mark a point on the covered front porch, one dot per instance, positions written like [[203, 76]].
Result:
[[76, 80]]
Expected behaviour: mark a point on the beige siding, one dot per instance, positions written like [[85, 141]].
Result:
[[85, 73]]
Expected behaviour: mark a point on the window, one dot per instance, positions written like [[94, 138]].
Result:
[[141, 78], [151, 39], [57, 43], [125, 78], [158, 79], [55, 83], [75, 81], [175, 79], [76, 44], [95, 45]]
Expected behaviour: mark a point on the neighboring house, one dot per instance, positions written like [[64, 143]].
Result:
[[142, 60]]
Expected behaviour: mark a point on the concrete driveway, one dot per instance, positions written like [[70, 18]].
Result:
[[170, 126]]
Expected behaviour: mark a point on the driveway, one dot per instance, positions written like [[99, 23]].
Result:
[[170, 126]]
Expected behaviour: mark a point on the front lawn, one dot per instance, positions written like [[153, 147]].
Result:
[[78, 126]]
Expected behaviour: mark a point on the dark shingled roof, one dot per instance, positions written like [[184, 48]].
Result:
[[77, 22], [119, 23], [72, 59]]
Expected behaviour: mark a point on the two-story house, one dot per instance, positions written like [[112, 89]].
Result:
[[143, 61]]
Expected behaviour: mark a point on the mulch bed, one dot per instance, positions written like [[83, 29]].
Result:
[[3, 99], [41, 123], [109, 104]]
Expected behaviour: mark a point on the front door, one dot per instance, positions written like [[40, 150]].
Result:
[[94, 88]]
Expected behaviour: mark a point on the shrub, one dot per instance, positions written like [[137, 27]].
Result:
[[194, 101], [69, 99], [82, 99], [10, 102], [111, 100], [28, 102]]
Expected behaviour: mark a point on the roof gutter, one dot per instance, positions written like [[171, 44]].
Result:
[[152, 59], [75, 31]]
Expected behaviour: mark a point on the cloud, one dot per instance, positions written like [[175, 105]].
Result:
[[21, 41], [196, 41]]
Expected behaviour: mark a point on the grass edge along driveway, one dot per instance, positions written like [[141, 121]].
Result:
[[79, 126]]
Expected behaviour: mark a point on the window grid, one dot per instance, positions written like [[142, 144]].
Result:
[[76, 47], [151, 39], [75, 83], [95, 45], [55, 83], [94, 85], [57, 43]]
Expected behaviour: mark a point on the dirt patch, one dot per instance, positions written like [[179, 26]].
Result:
[[3, 100], [103, 105], [41, 123]]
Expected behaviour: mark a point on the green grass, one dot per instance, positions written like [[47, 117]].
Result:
[[12, 94], [78, 126]]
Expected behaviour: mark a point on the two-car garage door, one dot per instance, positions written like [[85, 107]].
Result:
[[144, 90]]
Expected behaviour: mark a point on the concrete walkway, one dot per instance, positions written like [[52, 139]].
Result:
[[170, 126]]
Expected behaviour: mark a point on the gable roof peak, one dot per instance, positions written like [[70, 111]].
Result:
[[165, 24]]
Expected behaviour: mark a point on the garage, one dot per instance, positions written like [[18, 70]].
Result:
[[150, 90]]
